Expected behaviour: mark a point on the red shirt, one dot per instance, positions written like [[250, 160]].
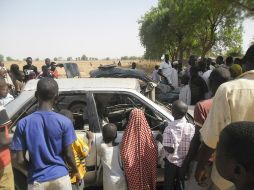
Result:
[[5, 156], [201, 111]]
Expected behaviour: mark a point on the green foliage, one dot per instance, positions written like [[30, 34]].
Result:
[[69, 58], [1, 57], [183, 27], [130, 58]]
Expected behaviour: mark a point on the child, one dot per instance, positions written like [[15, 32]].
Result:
[[81, 151], [113, 176], [45, 72], [155, 75], [5, 97], [235, 154], [176, 141], [185, 92]]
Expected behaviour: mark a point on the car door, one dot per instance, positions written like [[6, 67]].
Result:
[[115, 108]]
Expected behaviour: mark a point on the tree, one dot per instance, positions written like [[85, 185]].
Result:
[[1, 57], [55, 59], [84, 58], [183, 27], [247, 6], [8, 58], [37, 59]]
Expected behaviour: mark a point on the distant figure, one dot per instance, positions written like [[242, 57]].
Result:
[[54, 71], [185, 92], [235, 71], [238, 61], [155, 75], [229, 62], [119, 64], [165, 70], [5, 75], [235, 154], [198, 86], [17, 77], [219, 61], [28, 68], [176, 142], [48, 63], [5, 96], [192, 63], [133, 65], [113, 175], [45, 73]]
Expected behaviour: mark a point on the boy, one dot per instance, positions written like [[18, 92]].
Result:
[[5, 97], [81, 151], [235, 154], [47, 137], [176, 141]]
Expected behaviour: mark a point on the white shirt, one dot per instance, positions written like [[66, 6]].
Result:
[[185, 94], [113, 176], [174, 77], [155, 76], [6, 100], [166, 70], [206, 76], [178, 135]]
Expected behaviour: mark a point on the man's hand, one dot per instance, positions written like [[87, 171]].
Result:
[[201, 174], [89, 135], [77, 176]]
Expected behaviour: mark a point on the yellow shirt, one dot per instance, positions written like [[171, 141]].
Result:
[[233, 101], [81, 151]]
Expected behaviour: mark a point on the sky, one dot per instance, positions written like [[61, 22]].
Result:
[[71, 28]]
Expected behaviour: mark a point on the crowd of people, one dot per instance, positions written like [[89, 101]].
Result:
[[14, 79], [213, 153]]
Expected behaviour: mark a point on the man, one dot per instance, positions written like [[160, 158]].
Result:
[[29, 68], [218, 76], [6, 175], [232, 102], [219, 61], [133, 65], [165, 70], [228, 62], [155, 75], [48, 63], [47, 137], [198, 86]]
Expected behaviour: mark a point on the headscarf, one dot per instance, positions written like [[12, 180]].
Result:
[[236, 69], [139, 153]]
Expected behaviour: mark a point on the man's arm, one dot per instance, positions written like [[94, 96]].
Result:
[[4, 141], [19, 161], [69, 158]]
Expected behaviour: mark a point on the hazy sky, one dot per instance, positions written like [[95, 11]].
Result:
[[97, 28]]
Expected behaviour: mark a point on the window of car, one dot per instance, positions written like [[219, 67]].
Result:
[[74, 102], [115, 108]]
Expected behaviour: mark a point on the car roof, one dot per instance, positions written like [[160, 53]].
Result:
[[118, 72], [89, 83]]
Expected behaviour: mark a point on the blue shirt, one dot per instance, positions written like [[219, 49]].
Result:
[[44, 135]]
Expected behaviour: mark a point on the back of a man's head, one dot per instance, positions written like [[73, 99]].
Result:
[[248, 59], [47, 89], [229, 60], [218, 76]]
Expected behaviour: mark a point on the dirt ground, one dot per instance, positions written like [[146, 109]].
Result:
[[86, 66]]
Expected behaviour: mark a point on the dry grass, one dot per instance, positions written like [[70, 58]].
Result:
[[86, 66]]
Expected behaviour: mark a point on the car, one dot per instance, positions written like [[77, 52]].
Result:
[[164, 93], [94, 102]]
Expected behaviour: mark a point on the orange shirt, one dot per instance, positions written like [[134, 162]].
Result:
[[5, 157]]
